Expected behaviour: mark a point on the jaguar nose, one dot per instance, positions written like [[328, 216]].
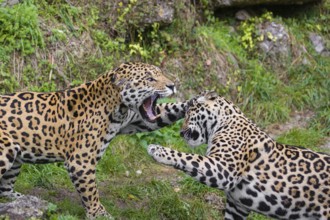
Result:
[[171, 87]]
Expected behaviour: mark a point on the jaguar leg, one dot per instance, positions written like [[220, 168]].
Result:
[[9, 167], [8, 180], [83, 176], [234, 212]]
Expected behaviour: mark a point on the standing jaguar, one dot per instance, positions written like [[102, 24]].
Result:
[[256, 173], [76, 125]]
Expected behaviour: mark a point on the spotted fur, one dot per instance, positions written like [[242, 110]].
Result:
[[76, 125], [256, 173]]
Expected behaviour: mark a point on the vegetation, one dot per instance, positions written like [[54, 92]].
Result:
[[50, 45]]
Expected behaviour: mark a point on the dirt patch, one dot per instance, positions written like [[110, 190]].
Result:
[[56, 195], [165, 173], [215, 200], [327, 143], [298, 119]]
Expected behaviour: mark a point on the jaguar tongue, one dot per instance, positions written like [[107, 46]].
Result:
[[148, 106], [151, 115]]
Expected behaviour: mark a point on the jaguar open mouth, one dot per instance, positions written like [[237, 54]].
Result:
[[148, 108]]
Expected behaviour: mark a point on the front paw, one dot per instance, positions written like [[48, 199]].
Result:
[[160, 154], [99, 213], [156, 151]]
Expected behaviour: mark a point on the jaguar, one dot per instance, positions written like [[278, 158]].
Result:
[[76, 125], [255, 172]]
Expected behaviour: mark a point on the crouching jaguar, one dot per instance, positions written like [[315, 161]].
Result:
[[256, 173], [76, 125]]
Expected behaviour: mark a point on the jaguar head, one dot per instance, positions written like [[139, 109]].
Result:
[[140, 86], [204, 115]]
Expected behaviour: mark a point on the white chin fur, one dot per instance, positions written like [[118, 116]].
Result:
[[194, 143]]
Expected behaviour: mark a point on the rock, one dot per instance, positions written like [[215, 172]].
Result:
[[9, 3], [327, 144], [242, 15], [162, 12], [274, 43], [319, 44], [133, 13], [239, 3], [24, 207]]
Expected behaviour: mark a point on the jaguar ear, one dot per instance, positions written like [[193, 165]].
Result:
[[211, 95], [115, 80], [190, 103], [201, 100], [206, 95]]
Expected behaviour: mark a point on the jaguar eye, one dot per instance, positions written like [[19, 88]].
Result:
[[150, 79]]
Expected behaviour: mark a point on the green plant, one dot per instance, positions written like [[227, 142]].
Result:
[[43, 176], [249, 31], [321, 121], [8, 83], [256, 216], [51, 209], [308, 138], [45, 87], [70, 210], [20, 29], [65, 217], [69, 17], [58, 35], [108, 44], [122, 22], [166, 136], [139, 50]]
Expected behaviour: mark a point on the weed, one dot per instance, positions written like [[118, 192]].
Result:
[[20, 29], [45, 87], [64, 217], [43, 176], [122, 21], [256, 216], [321, 122], [249, 31], [308, 138], [51, 209], [8, 83], [70, 209]]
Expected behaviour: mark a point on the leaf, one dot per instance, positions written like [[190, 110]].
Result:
[[132, 197]]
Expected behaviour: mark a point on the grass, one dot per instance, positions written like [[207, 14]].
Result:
[[308, 138]]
